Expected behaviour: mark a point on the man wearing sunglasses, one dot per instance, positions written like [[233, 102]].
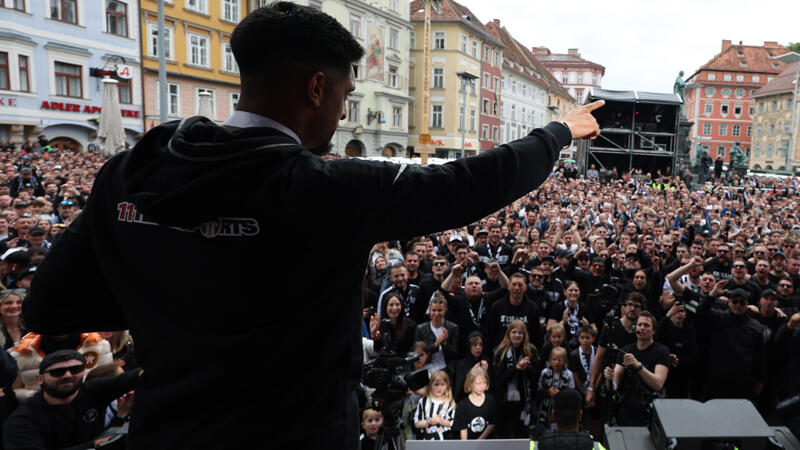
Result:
[[740, 280], [720, 265], [735, 363], [67, 411], [788, 301]]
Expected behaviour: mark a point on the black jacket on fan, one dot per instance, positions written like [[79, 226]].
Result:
[[193, 204]]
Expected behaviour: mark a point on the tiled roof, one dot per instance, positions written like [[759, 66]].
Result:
[[452, 11], [782, 83], [746, 58]]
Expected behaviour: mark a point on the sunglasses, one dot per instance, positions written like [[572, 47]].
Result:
[[439, 263], [58, 373], [786, 286], [536, 275]]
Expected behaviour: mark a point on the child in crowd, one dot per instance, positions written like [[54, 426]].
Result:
[[581, 359], [476, 414], [371, 422], [555, 338], [433, 418], [554, 377], [474, 358]]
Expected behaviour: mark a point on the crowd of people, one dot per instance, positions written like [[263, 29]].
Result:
[[625, 287], [58, 391]]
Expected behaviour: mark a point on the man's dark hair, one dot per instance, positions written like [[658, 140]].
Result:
[[274, 39], [567, 407], [636, 297]]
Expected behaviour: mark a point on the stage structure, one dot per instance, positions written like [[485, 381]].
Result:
[[638, 130]]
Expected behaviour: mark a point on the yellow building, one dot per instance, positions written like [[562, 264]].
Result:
[[199, 57], [457, 40]]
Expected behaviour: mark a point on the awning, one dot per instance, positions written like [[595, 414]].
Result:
[[634, 97]]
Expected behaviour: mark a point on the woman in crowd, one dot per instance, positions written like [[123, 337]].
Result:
[[400, 328], [11, 324], [517, 366]]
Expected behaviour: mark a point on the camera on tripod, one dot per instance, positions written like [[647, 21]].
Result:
[[606, 295]]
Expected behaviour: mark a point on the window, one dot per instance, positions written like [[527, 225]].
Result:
[[5, 82], [24, 74], [117, 18], [739, 92], [788, 103], [756, 78], [436, 116], [197, 5], [707, 128], [772, 129], [495, 134], [580, 78], [486, 81], [564, 78], [474, 49], [737, 110], [726, 92], [514, 86], [394, 37], [579, 97], [19, 5], [355, 25], [758, 131], [69, 81], [393, 77], [740, 78], [712, 76], [472, 120], [736, 130], [497, 57], [213, 99], [749, 131], [709, 108], [228, 61], [153, 42], [230, 10], [438, 78], [758, 149], [751, 109], [723, 129], [464, 43], [760, 107], [726, 77], [173, 100], [438, 41], [124, 90], [353, 109], [770, 150], [773, 106], [485, 132], [710, 91], [64, 10], [485, 109], [721, 151], [412, 37], [724, 110], [397, 116], [316, 4], [198, 50], [394, 5], [234, 101], [487, 54]]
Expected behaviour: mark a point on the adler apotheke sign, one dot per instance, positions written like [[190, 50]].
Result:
[[86, 109]]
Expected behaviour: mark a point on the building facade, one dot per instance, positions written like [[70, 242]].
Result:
[[377, 111], [719, 96], [457, 40], [577, 75], [772, 123], [524, 88], [50, 55], [198, 55]]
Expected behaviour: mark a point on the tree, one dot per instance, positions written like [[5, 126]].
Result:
[[794, 46]]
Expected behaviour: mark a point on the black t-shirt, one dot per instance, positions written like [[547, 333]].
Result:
[[632, 412], [473, 418], [502, 313]]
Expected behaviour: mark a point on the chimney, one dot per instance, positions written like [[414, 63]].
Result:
[[540, 51], [497, 22], [771, 44], [725, 44], [573, 52]]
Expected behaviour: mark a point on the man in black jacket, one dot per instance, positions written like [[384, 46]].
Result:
[[67, 412], [160, 229]]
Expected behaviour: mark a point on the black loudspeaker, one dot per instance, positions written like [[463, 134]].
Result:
[[678, 424]]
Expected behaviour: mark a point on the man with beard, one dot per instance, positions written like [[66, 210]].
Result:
[[720, 265], [67, 412], [494, 250], [468, 309], [778, 267], [511, 307], [431, 284], [788, 301], [415, 276]]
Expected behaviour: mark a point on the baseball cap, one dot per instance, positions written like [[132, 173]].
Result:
[[455, 237], [483, 231], [30, 270], [598, 259], [26, 170], [36, 231], [59, 356], [739, 292], [779, 253], [16, 256]]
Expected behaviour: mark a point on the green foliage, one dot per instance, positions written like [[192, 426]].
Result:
[[794, 46]]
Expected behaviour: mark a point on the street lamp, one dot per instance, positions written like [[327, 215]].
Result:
[[789, 58], [466, 78]]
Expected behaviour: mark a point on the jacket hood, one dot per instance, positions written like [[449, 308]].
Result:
[[178, 172]]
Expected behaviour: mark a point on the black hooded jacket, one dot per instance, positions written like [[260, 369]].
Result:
[[196, 239]]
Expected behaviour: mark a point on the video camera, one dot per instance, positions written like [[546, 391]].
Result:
[[606, 296]]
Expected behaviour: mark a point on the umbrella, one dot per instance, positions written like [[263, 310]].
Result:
[[110, 131], [204, 105]]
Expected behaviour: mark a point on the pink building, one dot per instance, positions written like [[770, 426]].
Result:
[[577, 75]]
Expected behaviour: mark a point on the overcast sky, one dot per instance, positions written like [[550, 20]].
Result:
[[643, 44]]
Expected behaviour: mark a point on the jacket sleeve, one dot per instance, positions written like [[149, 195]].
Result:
[[444, 196], [71, 263]]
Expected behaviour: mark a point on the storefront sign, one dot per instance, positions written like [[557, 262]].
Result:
[[124, 72], [8, 101], [86, 109]]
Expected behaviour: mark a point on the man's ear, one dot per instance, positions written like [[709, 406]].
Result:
[[39, 378], [315, 87]]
